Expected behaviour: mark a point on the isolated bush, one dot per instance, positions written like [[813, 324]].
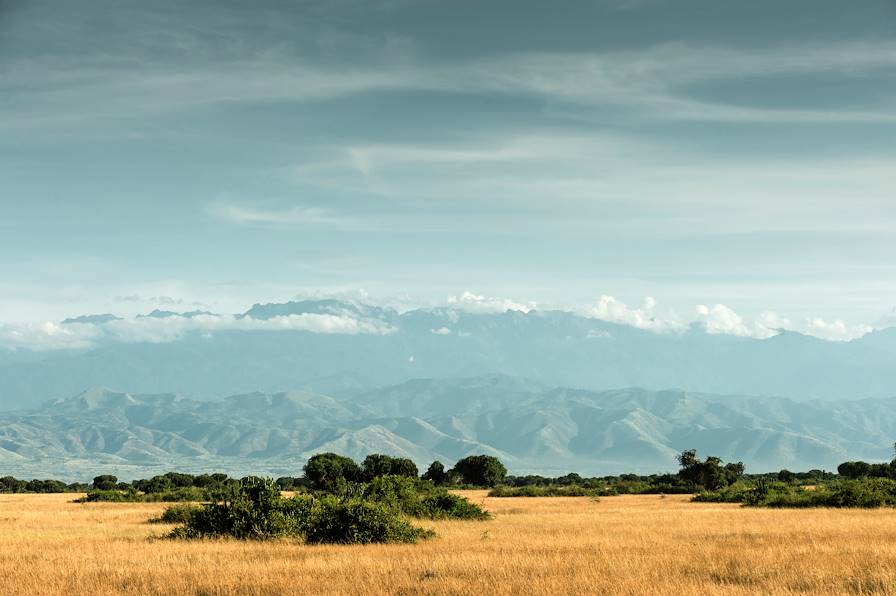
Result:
[[480, 470], [256, 511], [357, 521], [253, 510]]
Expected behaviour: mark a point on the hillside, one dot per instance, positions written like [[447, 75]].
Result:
[[531, 427]]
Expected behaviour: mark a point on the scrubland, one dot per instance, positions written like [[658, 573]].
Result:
[[559, 545]]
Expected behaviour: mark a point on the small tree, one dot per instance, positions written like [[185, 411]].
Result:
[[326, 470], [435, 473], [376, 465], [105, 482], [481, 470]]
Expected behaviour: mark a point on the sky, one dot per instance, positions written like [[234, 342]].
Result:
[[635, 160]]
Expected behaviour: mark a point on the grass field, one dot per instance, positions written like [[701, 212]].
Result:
[[620, 545]]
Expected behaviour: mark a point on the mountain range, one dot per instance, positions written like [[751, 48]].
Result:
[[532, 427], [370, 347]]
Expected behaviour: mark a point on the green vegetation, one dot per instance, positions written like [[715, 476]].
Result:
[[570, 490], [176, 514], [255, 510]]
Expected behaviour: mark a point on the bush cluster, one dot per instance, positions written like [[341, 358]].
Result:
[[255, 510], [568, 490]]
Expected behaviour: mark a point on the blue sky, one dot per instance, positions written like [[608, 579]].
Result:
[[216, 154]]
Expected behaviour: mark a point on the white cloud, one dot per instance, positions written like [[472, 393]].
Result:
[[49, 335], [475, 303], [835, 330], [441, 331], [282, 218], [608, 308]]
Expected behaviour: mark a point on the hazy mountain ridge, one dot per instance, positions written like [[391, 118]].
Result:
[[555, 348], [532, 428]]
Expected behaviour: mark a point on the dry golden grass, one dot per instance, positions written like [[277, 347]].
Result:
[[621, 545]]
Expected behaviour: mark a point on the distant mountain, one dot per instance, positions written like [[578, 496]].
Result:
[[534, 429], [259, 352]]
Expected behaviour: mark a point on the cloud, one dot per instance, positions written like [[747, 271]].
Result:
[[475, 303], [441, 331], [51, 336], [835, 330], [282, 218], [608, 308]]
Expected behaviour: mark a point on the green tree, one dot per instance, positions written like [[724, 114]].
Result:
[[105, 482], [435, 473], [326, 470], [481, 470], [376, 465]]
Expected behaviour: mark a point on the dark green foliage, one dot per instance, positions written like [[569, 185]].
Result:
[[569, 490], [377, 464], [255, 510], [358, 521], [435, 473], [8, 484], [480, 470], [176, 514], [861, 469], [133, 496], [327, 470], [863, 493], [709, 474], [445, 505], [734, 493], [421, 499], [105, 482]]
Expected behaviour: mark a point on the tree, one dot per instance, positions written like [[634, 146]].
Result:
[[435, 473], [326, 470], [709, 474], [481, 470], [377, 464], [786, 476], [105, 482]]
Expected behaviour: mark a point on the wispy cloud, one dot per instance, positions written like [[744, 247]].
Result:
[[246, 214]]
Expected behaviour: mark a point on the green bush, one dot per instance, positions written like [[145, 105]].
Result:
[[862, 493], [255, 510], [176, 514], [132, 496], [552, 490], [736, 493], [420, 498], [357, 521]]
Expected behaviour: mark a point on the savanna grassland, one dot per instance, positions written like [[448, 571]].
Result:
[[619, 545]]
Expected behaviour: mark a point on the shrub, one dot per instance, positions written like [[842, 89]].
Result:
[[176, 514], [356, 521], [420, 498], [256, 511], [570, 490], [444, 505], [132, 496]]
